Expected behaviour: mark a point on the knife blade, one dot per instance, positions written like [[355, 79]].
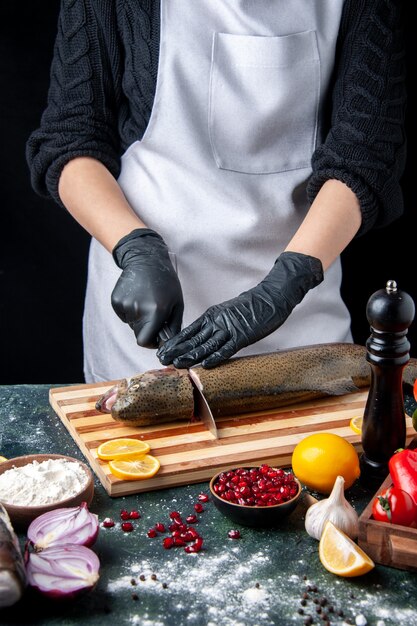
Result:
[[202, 409]]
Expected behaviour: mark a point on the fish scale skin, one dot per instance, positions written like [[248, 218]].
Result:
[[155, 397], [248, 384], [268, 381]]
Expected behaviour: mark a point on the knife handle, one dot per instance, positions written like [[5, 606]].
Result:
[[164, 334]]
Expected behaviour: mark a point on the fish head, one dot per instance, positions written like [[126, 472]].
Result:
[[141, 393]]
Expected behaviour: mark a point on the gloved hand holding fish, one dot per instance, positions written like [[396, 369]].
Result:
[[243, 384], [226, 328]]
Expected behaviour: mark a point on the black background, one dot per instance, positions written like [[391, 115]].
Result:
[[43, 251]]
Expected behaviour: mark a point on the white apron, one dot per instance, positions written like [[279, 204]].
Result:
[[221, 170]]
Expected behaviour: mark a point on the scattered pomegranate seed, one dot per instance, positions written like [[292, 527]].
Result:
[[234, 534], [134, 515], [203, 497], [160, 527], [168, 542], [188, 536], [263, 486], [127, 527], [182, 535], [193, 533], [125, 515], [108, 522], [194, 547], [177, 541]]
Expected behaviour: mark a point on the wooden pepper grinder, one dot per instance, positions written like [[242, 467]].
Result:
[[389, 312]]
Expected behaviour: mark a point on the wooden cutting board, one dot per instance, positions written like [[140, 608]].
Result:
[[188, 452]]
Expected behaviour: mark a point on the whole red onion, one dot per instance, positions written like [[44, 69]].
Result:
[[63, 572], [75, 525]]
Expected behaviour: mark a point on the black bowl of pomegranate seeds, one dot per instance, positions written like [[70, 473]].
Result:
[[256, 496]]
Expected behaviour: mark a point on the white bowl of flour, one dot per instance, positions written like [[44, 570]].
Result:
[[36, 483]]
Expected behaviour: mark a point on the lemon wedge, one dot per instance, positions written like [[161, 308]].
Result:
[[341, 555], [136, 469], [2, 458], [356, 424], [122, 449]]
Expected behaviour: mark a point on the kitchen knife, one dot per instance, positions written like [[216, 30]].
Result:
[[201, 408], [164, 334]]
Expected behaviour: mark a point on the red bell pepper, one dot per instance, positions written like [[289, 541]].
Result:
[[403, 470]]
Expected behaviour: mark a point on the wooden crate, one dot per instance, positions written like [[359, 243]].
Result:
[[387, 544]]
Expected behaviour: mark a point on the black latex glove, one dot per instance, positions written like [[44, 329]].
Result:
[[226, 328], [148, 294]]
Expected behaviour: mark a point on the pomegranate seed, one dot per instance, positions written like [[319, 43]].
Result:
[[234, 534], [127, 527], [179, 542], [175, 515], [188, 536], [262, 486], [108, 522], [160, 527], [168, 542], [198, 507], [134, 515], [191, 519], [194, 547], [124, 514], [203, 497], [152, 533]]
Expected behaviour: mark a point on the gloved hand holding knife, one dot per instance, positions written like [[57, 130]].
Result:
[[226, 328], [148, 294]]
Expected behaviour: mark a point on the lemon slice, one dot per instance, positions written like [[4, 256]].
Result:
[[341, 555], [136, 469], [123, 448], [356, 424], [2, 458]]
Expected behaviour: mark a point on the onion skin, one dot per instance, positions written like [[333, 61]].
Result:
[[74, 525], [63, 572]]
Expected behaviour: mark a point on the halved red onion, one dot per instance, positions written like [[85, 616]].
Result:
[[74, 525], [62, 572]]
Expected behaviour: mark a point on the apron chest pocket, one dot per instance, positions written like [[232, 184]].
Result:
[[264, 96]]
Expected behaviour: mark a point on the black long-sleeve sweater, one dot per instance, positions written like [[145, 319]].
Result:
[[103, 80]]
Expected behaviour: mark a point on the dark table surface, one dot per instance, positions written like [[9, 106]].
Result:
[[258, 579]]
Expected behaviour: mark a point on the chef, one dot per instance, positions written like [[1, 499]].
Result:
[[221, 155]]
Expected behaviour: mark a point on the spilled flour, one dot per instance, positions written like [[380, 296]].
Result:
[[221, 586], [244, 582], [257, 580]]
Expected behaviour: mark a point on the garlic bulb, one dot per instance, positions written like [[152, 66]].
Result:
[[334, 508]]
